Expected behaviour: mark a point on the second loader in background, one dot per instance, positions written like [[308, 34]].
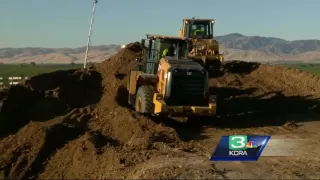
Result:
[[204, 48], [167, 83]]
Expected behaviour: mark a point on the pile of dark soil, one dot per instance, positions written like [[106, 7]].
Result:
[[253, 94], [98, 122], [48, 95]]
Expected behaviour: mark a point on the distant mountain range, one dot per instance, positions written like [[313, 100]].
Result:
[[234, 46], [268, 44], [56, 55]]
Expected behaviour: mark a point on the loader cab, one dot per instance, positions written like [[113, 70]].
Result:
[[157, 47], [197, 28]]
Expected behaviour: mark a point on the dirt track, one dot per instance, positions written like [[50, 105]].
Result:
[[64, 125]]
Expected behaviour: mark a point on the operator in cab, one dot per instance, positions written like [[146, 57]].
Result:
[[170, 51], [198, 31]]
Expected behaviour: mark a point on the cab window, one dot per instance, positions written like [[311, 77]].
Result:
[[199, 28]]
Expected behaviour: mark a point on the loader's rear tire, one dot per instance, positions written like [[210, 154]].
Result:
[[144, 100]]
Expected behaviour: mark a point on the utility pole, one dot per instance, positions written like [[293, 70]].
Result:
[[90, 33]]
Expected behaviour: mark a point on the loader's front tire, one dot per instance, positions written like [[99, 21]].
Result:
[[212, 65], [144, 100]]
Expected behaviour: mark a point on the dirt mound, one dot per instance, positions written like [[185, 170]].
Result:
[[251, 91], [48, 95], [115, 74], [108, 129], [23, 154]]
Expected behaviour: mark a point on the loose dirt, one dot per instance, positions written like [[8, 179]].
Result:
[[76, 124]]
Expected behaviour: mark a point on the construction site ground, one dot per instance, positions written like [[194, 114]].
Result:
[[75, 124]]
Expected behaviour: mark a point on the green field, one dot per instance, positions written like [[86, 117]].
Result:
[[312, 68], [27, 70]]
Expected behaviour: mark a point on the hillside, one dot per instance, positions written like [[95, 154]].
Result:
[[56, 55], [268, 49], [235, 47], [268, 44]]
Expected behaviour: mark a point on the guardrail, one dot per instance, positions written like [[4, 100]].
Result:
[[7, 82]]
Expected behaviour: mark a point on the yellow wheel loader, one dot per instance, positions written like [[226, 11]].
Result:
[[204, 48], [167, 83]]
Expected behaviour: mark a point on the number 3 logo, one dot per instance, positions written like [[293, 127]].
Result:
[[239, 141]]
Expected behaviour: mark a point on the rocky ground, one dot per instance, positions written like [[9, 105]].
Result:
[[75, 124]]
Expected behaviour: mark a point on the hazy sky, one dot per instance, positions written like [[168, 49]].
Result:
[[65, 23]]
